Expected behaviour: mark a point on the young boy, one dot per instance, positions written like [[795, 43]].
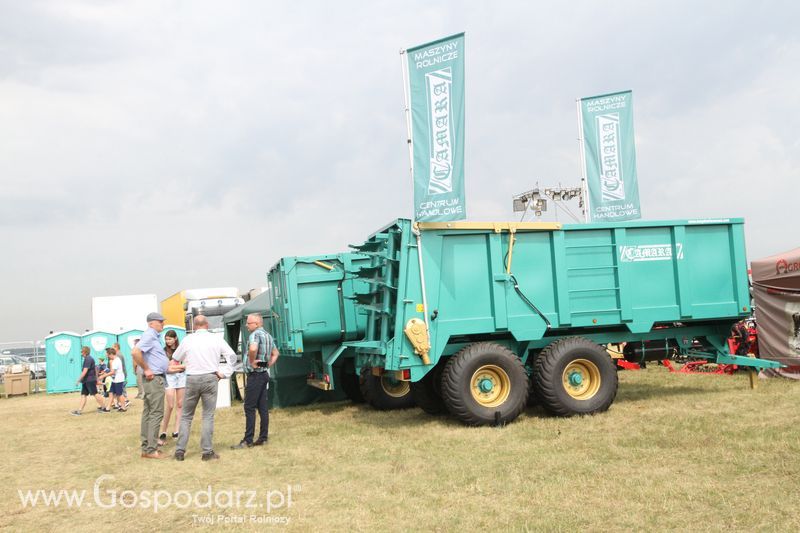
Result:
[[117, 376], [88, 379], [103, 374], [121, 357]]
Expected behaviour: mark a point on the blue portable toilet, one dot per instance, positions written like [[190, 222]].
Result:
[[98, 341], [127, 340], [62, 352], [179, 330]]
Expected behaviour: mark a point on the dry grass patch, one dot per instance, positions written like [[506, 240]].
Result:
[[674, 452]]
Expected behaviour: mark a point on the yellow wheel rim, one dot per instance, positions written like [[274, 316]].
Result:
[[395, 388], [490, 386], [581, 379]]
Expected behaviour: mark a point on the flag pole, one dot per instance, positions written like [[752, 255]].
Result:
[[414, 227], [582, 153], [409, 138]]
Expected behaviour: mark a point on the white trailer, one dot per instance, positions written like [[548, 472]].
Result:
[[122, 313]]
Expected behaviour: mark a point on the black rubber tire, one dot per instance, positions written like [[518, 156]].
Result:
[[533, 397], [363, 377], [427, 392], [373, 391], [350, 383], [549, 370], [456, 384]]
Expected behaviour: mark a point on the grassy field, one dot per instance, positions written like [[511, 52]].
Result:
[[686, 452]]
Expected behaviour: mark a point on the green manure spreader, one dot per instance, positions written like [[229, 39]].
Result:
[[479, 319], [313, 316]]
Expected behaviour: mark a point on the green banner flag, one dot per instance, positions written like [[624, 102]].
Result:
[[435, 98], [609, 157]]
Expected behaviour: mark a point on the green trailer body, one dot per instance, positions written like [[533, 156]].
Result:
[[313, 314], [289, 374], [524, 287], [312, 303]]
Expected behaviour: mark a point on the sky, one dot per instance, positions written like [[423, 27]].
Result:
[[152, 146]]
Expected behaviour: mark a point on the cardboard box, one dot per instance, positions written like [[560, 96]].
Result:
[[17, 382]]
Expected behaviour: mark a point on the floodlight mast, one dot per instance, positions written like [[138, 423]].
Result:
[[536, 200]]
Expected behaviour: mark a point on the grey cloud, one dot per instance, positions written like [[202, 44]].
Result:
[[33, 37], [226, 136]]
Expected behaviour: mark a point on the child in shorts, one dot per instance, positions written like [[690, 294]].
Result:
[[103, 372], [117, 376], [124, 402]]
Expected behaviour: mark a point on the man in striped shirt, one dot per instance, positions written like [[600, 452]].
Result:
[[261, 355]]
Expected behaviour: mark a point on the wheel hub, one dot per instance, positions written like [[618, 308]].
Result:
[[575, 379], [581, 379], [395, 388], [490, 386], [486, 385]]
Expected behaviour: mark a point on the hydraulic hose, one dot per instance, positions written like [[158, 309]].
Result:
[[527, 301]]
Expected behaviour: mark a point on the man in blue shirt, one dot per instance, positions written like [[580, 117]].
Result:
[[261, 354], [150, 355]]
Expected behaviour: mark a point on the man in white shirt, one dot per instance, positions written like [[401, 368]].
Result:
[[201, 352]]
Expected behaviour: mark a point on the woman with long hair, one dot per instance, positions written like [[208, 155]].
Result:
[[176, 386]]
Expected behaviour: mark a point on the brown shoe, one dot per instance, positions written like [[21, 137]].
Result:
[[155, 455], [210, 456]]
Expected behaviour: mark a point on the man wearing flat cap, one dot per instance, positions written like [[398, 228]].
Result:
[[150, 356]]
